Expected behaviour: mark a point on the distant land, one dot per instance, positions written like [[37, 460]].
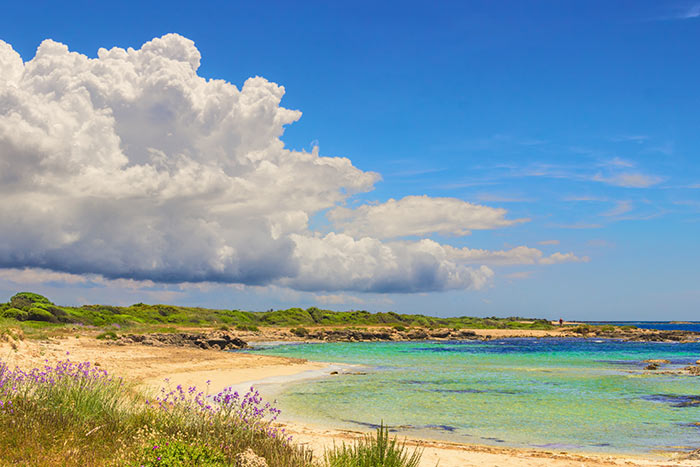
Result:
[[38, 311]]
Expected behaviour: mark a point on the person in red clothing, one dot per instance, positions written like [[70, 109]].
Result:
[[561, 321]]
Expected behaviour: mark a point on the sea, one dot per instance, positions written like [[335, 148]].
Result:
[[661, 325], [586, 395]]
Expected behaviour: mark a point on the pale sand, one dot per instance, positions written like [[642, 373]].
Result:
[[149, 366]]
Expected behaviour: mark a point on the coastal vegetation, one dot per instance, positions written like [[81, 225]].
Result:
[[371, 451], [34, 311], [77, 414]]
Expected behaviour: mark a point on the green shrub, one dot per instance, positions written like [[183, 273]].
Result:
[[248, 327], [299, 332], [15, 313], [379, 451], [582, 329], [176, 453], [109, 335], [400, 328], [421, 322], [39, 314], [25, 300]]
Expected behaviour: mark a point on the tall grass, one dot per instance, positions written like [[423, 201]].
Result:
[[374, 451], [75, 414]]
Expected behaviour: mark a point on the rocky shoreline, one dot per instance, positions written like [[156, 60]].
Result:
[[217, 340], [235, 340]]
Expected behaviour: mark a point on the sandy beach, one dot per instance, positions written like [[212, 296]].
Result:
[[149, 366]]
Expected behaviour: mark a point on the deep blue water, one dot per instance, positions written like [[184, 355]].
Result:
[[662, 325]]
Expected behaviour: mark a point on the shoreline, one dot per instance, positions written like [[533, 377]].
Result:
[[446, 453], [454, 454], [148, 366]]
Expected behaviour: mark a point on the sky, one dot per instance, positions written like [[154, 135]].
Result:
[[483, 158]]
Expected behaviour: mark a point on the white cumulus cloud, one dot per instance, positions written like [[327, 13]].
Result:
[[131, 166], [339, 262], [418, 215]]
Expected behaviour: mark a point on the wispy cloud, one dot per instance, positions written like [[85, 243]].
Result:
[[621, 207], [549, 242], [519, 275], [585, 198], [576, 226], [666, 149], [416, 172], [629, 179], [688, 202], [617, 162], [681, 13], [499, 198], [690, 13], [600, 243], [557, 257], [629, 138]]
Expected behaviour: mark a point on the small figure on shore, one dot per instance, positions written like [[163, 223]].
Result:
[[561, 322]]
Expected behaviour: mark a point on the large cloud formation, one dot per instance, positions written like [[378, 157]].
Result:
[[130, 165]]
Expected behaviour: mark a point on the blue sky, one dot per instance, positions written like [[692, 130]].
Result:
[[580, 116]]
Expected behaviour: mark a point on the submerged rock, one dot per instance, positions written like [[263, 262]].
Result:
[[657, 361]]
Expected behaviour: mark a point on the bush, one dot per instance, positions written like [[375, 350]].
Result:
[[39, 314], [248, 327], [15, 313], [179, 453], [582, 329], [379, 451], [299, 332], [400, 328], [26, 300], [109, 335], [75, 414]]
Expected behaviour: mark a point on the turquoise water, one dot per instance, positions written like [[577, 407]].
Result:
[[575, 394]]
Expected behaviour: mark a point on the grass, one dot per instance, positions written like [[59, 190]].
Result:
[[75, 414], [373, 451]]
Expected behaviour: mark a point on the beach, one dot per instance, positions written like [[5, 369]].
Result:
[[149, 366]]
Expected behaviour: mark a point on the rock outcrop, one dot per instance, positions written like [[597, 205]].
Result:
[[645, 335], [386, 334], [217, 340]]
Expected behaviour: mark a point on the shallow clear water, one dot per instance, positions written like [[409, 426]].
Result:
[[576, 394]]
